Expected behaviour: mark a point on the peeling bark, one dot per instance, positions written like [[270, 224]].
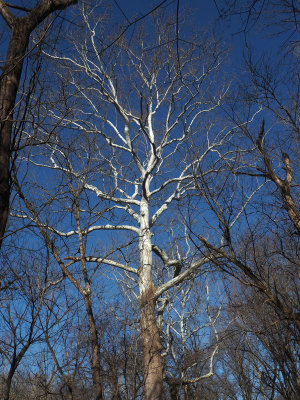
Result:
[[152, 359]]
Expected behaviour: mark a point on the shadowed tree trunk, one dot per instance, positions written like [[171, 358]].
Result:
[[21, 29], [95, 350]]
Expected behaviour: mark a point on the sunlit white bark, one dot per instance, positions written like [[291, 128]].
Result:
[[144, 136]]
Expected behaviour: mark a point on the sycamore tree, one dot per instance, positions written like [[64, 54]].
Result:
[[118, 158], [26, 20]]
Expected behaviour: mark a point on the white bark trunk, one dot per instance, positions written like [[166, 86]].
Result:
[[152, 359]]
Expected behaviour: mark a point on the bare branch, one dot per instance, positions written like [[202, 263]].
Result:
[[100, 260], [6, 14], [186, 274], [16, 7], [164, 257], [282, 185]]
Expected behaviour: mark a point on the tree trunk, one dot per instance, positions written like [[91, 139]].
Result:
[[9, 83], [95, 357], [7, 387], [174, 386], [69, 394], [21, 29], [152, 359]]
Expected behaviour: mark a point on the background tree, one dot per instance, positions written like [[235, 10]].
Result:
[[21, 29], [262, 250], [20, 309]]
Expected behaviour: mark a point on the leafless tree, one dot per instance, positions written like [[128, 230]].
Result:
[[20, 308], [281, 16], [261, 251], [21, 29], [261, 348], [190, 335], [136, 117]]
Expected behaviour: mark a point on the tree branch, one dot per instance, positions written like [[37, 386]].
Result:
[[164, 257], [104, 261], [18, 7], [43, 10], [282, 185], [6, 14], [183, 276]]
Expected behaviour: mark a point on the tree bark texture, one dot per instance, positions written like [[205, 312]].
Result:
[[95, 356], [7, 384], [13, 367], [9, 83], [21, 29], [152, 359]]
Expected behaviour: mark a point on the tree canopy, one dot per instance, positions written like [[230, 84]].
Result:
[[150, 213]]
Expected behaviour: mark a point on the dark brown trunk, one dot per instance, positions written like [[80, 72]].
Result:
[[21, 29], [7, 387], [69, 394], [95, 356], [174, 387], [14, 365], [9, 83]]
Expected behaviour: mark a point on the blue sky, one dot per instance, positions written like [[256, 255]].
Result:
[[201, 13], [204, 13]]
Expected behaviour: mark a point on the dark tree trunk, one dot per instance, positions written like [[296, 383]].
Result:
[[95, 356], [21, 29], [9, 83]]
